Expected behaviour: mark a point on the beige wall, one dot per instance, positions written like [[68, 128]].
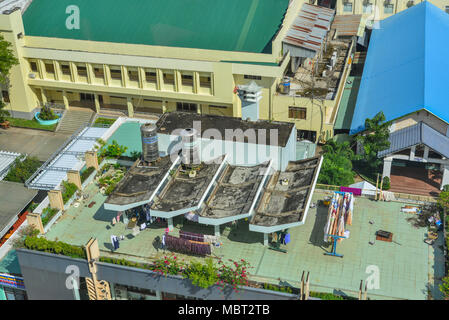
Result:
[[419, 116], [398, 5]]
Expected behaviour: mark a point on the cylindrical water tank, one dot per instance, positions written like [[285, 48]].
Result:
[[285, 85], [190, 147], [150, 147]]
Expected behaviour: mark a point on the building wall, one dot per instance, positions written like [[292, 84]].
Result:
[[45, 275], [382, 13], [419, 116]]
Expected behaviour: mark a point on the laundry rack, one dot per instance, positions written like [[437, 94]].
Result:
[[340, 213]]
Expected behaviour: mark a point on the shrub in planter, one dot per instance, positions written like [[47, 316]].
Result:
[[86, 173], [47, 114], [22, 169], [47, 214], [202, 275], [69, 190]]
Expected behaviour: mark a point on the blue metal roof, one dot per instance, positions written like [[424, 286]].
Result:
[[406, 68]]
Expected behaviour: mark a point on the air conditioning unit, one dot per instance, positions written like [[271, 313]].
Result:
[[32, 75]]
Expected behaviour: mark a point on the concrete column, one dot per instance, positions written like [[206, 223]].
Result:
[[445, 179], [57, 70], [44, 96], [170, 224], [178, 80], [426, 152], [387, 167], [196, 82], [159, 79], [97, 103], [91, 159], [73, 72], [164, 106], [158, 295], [90, 73], [41, 69], [141, 73], [56, 201], [107, 75], [265, 239], [129, 103], [217, 230], [412, 153], [73, 176], [65, 99], [124, 76], [34, 219]]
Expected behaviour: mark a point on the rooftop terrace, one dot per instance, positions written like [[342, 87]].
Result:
[[405, 265]]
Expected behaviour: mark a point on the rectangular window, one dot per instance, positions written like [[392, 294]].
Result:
[[297, 113], [5, 95], [50, 68], [205, 82], [169, 78], [388, 8], [184, 106], [133, 75], [33, 66], [247, 76], [219, 107], [116, 74], [99, 72], [447, 9], [347, 7], [150, 76], [367, 8], [65, 69], [187, 79], [82, 71]]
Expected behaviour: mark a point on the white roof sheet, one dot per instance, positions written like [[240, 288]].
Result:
[[6, 160], [67, 159]]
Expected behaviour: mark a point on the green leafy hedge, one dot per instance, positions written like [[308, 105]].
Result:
[[86, 173], [22, 169], [69, 190], [47, 214], [56, 247]]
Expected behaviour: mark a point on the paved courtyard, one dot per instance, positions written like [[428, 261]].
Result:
[[38, 143], [405, 265]]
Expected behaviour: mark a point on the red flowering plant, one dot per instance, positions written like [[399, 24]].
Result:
[[235, 273], [168, 265]]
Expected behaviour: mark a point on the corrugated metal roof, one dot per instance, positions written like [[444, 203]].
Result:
[[231, 25], [71, 157], [419, 133], [6, 160], [348, 25], [310, 27]]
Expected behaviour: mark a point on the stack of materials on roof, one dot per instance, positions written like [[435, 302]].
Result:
[[187, 246], [340, 213]]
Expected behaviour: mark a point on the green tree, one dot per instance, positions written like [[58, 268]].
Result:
[[373, 141], [337, 166], [444, 287], [7, 61]]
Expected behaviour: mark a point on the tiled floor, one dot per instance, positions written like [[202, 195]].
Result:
[[405, 264]]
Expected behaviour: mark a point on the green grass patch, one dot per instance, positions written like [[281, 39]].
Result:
[[102, 122], [31, 124]]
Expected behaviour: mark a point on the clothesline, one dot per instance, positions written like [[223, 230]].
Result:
[[340, 213]]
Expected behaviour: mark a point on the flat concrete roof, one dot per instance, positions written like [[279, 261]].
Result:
[[235, 191], [139, 183], [14, 197], [183, 191], [181, 120], [287, 204]]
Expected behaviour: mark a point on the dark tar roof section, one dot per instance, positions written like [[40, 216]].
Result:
[[181, 120], [139, 183], [285, 204], [14, 197]]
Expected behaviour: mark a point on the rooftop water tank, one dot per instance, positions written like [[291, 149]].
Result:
[[190, 147], [150, 147]]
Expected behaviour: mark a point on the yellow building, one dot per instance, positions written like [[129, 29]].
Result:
[[381, 9], [154, 57]]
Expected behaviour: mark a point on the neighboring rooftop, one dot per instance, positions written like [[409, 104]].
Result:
[[171, 121], [6, 161], [231, 25], [14, 197], [235, 192], [405, 69], [138, 185], [348, 25], [286, 204]]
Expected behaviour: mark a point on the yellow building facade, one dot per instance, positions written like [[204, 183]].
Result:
[[137, 78], [381, 9]]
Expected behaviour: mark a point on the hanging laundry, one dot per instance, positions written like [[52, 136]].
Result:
[[143, 226], [287, 238], [191, 216], [114, 221]]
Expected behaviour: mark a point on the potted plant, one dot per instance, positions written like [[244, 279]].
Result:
[[4, 123], [46, 116]]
